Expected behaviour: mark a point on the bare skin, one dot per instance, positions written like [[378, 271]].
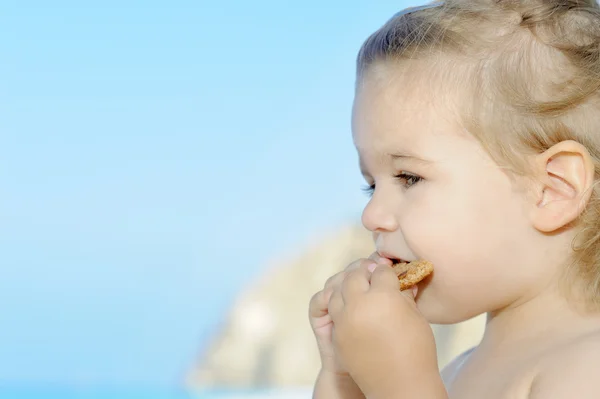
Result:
[[499, 245], [557, 348]]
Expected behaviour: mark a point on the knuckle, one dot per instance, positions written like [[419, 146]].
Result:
[[352, 273], [347, 280], [317, 299], [333, 280], [329, 281], [335, 295], [334, 308], [314, 300], [356, 264]]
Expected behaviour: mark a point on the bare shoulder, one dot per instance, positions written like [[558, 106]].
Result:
[[451, 370], [570, 371]]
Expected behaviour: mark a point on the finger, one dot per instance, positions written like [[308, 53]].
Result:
[[318, 303], [337, 278], [356, 282], [335, 305], [380, 259], [384, 278], [357, 264]]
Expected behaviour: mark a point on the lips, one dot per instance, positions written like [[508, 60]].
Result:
[[395, 259]]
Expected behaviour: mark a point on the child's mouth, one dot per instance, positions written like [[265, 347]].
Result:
[[398, 261]]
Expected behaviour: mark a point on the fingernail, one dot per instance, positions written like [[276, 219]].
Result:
[[381, 259], [372, 267]]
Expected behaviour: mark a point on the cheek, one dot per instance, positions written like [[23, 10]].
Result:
[[468, 232]]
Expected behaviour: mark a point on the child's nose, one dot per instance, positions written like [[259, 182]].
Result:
[[379, 216]]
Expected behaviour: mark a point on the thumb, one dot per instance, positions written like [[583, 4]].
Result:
[[411, 292]]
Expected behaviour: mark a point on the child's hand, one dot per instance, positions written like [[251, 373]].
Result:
[[380, 337], [320, 319]]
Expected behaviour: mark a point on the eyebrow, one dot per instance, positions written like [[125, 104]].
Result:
[[395, 156]]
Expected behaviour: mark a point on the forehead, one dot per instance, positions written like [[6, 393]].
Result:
[[402, 111], [395, 111]]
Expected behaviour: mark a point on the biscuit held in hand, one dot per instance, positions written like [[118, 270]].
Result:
[[411, 273], [368, 348]]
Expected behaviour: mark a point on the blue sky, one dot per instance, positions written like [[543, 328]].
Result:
[[145, 148]]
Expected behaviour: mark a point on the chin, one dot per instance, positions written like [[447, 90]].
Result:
[[439, 311]]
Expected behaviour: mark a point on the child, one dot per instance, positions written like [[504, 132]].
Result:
[[477, 125]]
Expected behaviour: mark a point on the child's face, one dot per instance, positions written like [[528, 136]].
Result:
[[443, 199]]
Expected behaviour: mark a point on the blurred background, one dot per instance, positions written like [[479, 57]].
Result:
[[176, 180]]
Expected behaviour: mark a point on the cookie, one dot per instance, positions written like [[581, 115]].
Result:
[[411, 273]]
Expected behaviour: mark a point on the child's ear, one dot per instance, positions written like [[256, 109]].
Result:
[[567, 175]]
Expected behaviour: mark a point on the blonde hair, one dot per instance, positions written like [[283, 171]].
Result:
[[532, 70]]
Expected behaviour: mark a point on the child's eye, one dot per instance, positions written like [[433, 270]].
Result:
[[369, 189], [408, 179]]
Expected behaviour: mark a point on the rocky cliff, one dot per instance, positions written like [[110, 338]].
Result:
[[267, 341]]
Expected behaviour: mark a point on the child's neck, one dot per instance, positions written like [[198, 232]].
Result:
[[545, 318]]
